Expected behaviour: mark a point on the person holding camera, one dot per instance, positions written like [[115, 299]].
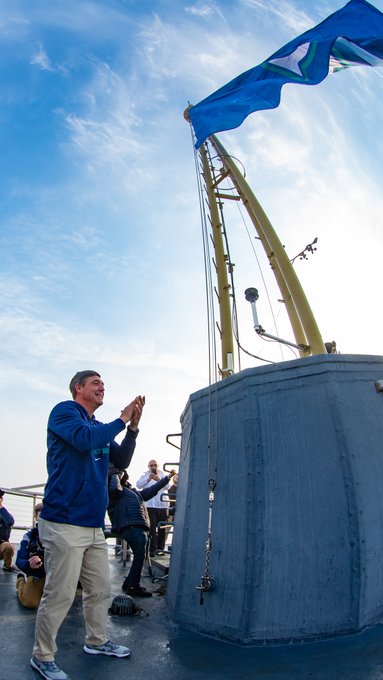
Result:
[[30, 561], [157, 508]]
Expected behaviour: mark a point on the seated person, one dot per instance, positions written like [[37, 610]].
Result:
[[6, 548], [130, 520], [30, 560]]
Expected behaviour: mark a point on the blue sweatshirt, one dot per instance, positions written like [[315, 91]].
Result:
[[79, 451], [6, 523]]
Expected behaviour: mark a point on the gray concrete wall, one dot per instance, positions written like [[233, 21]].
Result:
[[297, 533]]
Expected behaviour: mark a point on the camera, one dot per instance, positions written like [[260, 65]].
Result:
[[35, 547]]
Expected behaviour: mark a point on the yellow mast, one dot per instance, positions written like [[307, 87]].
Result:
[[304, 326]]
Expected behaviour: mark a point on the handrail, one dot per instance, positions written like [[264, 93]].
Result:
[[178, 434], [21, 490], [23, 512], [168, 497]]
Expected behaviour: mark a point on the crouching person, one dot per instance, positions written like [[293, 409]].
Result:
[[30, 561], [130, 520], [6, 548]]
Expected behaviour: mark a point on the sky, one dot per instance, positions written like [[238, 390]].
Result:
[[100, 239]]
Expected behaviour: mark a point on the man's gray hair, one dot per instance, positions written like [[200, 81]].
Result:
[[79, 379]]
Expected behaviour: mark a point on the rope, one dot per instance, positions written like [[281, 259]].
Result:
[[231, 268], [261, 273], [207, 580]]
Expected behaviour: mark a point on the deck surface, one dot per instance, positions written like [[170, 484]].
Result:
[[161, 649]]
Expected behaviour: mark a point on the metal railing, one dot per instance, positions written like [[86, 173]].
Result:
[[21, 502]]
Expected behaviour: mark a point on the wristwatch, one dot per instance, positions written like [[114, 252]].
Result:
[[131, 430]]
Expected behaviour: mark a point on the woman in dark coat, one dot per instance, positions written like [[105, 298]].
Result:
[[130, 520]]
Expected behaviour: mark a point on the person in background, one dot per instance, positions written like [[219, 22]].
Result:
[[129, 517], [72, 519], [30, 561], [157, 508], [6, 548]]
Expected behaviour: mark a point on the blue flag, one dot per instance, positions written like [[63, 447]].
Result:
[[351, 36]]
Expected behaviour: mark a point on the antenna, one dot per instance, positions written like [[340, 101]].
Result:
[[252, 295]]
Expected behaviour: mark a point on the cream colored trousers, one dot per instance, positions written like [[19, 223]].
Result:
[[72, 554]]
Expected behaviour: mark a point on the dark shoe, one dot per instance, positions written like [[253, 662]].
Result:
[[136, 591], [11, 568], [152, 554]]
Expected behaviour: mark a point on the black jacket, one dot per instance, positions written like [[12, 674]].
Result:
[[127, 506]]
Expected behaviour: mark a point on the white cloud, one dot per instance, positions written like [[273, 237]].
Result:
[[13, 27], [205, 8], [42, 60], [108, 130], [286, 12]]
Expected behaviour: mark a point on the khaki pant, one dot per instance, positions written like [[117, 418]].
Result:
[[29, 591], [72, 554], [6, 553]]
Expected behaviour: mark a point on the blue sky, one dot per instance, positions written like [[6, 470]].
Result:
[[101, 253]]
